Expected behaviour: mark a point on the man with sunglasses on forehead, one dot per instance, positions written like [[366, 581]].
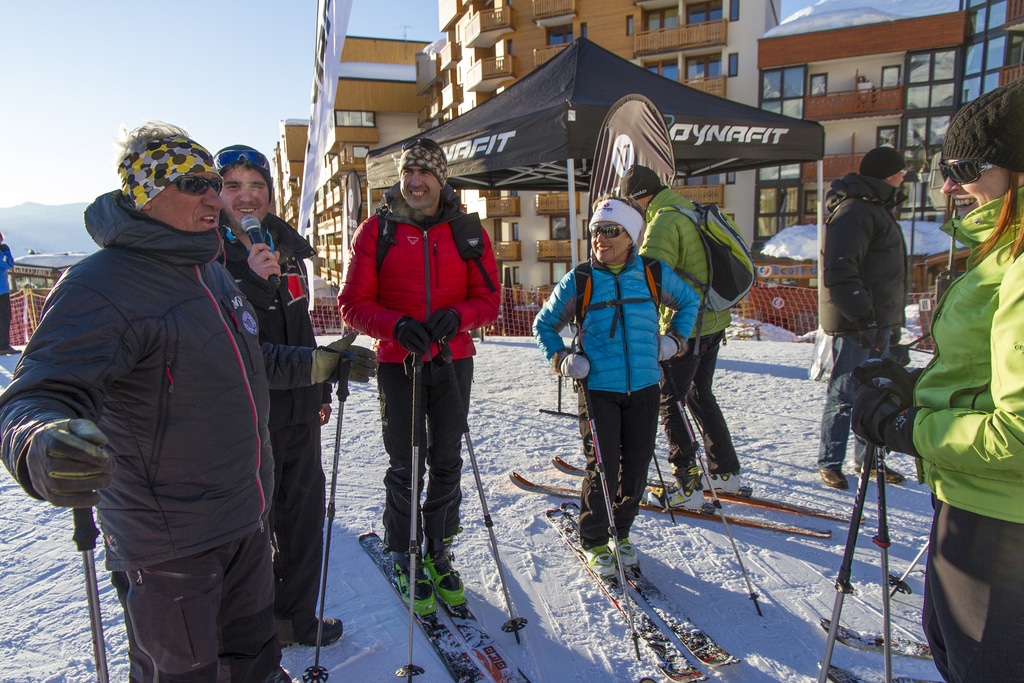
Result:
[[864, 273], [421, 295], [272, 275], [144, 391]]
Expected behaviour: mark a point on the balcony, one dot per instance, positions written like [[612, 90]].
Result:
[[544, 54], [427, 72], [560, 250], [428, 114], [1011, 73], [503, 207], [712, 86], [854, 104], [508, 251], [448, 11], [834, 166], [553, 12], [704, 194], [451, 95], [1014, 16], [488, 74], [449, 56], [554, 203], [676, 38], [484, 29]]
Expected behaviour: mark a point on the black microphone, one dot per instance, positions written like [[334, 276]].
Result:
[[252, 228]]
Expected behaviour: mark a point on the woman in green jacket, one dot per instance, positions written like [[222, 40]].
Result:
[[963, 418]]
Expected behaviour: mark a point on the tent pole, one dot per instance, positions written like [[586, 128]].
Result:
[[821, 221], [570, 168]]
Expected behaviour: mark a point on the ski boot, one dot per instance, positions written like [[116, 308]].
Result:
[[600, 560], [423, 593], [446, 581]]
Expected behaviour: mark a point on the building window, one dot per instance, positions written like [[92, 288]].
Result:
[[887, 135], [515, 232], [734, 64], [890, 76], [777, 208], [558, 271], [819, 84], [782, 91], [583, 29], [559, 228], [708, 66], [704, 11], [669, 69], [360, 151], [666, 17], [362, 119], [734, 10], [511, 275], [560, 35], [629, 26]]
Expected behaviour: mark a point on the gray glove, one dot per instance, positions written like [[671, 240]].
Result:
[[671, 345], [326, 360], [568, 364], [67, 463]]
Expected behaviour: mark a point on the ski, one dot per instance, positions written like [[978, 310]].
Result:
[[874, 642], [693, 638], [481, 646], [751, 501], [565, 492], [446, 644], [837, 675], [666, 656]]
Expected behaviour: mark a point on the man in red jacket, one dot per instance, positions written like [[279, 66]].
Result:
[[415, 295]]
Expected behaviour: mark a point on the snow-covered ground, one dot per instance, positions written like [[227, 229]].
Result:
[[774, 414]]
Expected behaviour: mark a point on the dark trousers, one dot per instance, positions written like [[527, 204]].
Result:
[[194, 617], [692, 376], [837, 413], [297, 519], [627, 426], [974, 596], [5, 320], [441, 424]]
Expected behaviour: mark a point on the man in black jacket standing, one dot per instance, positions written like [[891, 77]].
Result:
[[272, 275], [864, 268]]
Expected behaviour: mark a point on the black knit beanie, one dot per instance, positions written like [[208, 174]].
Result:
[[640, 181], [989, 128], [882, 162]]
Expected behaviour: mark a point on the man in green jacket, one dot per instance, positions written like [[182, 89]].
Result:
[[673, 238]]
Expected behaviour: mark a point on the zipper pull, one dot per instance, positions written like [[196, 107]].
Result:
[[170, 377]]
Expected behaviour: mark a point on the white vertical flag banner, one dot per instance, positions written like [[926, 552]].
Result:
[[331, 27]]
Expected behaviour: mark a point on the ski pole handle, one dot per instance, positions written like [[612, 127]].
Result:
[[85, 529]]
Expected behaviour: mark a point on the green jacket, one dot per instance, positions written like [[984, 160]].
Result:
[[673, 238], [970, 432]]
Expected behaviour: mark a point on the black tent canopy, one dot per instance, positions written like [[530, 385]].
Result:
[[544, 128]]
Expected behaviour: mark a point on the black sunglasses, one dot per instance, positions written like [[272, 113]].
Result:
[[610, 230], [196, 184], [425, 143], [963, 171]]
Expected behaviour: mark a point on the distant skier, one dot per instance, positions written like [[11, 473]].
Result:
[[6, 263]]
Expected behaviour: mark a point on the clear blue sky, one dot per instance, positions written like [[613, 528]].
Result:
[[71, 72]]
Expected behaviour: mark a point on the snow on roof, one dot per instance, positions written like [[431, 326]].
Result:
[[370, 71], [832, 14], [54, 261], [800, 242]]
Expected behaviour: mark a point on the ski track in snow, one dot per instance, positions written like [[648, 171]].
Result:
[[573, 633]]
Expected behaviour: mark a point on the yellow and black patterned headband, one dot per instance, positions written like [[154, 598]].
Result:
[[144, 175]]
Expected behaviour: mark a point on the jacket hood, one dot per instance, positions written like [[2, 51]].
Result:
[[857, 186], [395, 207], [111, 224]]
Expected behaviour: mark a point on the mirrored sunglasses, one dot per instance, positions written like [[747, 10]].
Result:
[[963, 171], [425, 143], [195, 184], [606, 230], [230, 156]]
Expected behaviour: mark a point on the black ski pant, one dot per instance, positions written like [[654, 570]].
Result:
[[206, 618], [297, 519], [627, 426], [692, 374], [5, 320], [441, 424], [974, 597]]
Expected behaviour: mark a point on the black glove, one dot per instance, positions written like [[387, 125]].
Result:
[[412, 335], [899, 433], [4, 247], [443, 324], [872, 337], [883, 372], [68, 464]]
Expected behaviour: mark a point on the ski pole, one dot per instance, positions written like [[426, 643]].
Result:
[[900, 585], [410, 669], [883, 543], [317, 672], [603, 476], [843, 585], [85, 539], [514, 623], [684, 414], [661, 478]]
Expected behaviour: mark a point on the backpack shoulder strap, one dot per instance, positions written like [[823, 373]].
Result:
[[385, 236], [582, 278], [652, 268]]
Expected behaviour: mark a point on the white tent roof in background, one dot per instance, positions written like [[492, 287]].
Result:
[[832, 14]]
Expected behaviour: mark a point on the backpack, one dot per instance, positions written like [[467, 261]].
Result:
[[730, 266], [583, 279], [467, 231]]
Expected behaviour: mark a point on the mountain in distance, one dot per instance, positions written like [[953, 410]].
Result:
[[45, 229]]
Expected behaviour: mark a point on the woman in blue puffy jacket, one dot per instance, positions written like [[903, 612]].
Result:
[[617, 352]]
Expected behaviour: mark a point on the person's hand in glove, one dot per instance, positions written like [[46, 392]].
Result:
[[882, 417], [67, 463], [873, 337], [412, 335], [443, 324], [671, 345], [568, 364], [882, 371], [362, 362]]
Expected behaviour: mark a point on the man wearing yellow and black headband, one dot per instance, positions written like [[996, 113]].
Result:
[[145, 392]]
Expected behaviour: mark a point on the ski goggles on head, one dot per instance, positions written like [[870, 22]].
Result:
[[197, 184], [963, 171], [606, 230], [425, 143], [226, 157]]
